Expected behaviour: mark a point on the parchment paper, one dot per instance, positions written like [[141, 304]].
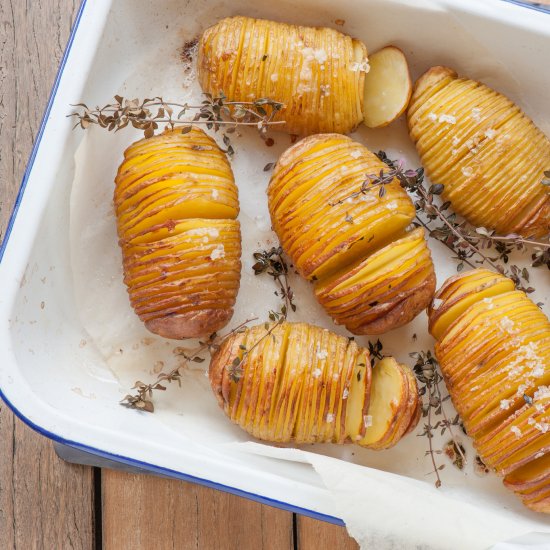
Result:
[[467, 512]]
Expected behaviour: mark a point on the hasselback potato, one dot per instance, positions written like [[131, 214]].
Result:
[[297, 382], [487, 153], [176, 205], [493, 345], [371, 272], [318, 73]]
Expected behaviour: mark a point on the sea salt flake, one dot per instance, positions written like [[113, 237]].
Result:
[[330, 418], [490, 133], [516, 431], [356, 153], [320, 55], [476, 114], [450, 119], [456, 141], [505, 404], [274, 77], [218, 252], [506, 324], [316, 373], [539, 454], [215, 194], [322, 354], [542, 393], [489, 303], [432, 117], [345, 395], [363, 67], [467, 171], [531, 421], [367, 420]]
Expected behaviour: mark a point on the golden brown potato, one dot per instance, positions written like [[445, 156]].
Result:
[[298, 382], [494, 351], [371, 273], [176, 203], [487, 153], [318, 73]]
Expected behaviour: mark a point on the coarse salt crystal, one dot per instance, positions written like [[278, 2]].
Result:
[[506, 324], [489, 303], [542, 427], [363, 67], [274, 77], [345, 394], [367, 420], [541, 393], [490, 133], [505, 404], [320, 55], [539, 454], [515, 430], [447, 118], [215, 194], [330, 418], [531, 421], [467, 171], [476, 114], [316, 373], [335, 377], [218, 252], [432, 117], [474, 388], [356, 153], [322, 354], [456, 141]]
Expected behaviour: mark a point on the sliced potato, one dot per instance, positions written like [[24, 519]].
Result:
[[494, 351], [389, 400], [388, 87], [306, 384], [176, 204], [372, 272]]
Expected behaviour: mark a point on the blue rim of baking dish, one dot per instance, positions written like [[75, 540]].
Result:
[[99, 452]]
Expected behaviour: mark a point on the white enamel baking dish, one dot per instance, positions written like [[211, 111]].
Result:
[[42, 360]]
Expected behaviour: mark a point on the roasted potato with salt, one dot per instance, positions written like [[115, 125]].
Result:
[[317, 73], [294, 382], [371, 272], [487, 153], [176, 205], [493, 345]]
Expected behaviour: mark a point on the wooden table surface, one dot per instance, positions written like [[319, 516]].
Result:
[[44, 501]]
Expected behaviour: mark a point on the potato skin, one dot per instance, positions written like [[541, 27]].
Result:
[[318, 73], [182, 272], [494, 354], [487, 153], [295, 382], [346, 241]]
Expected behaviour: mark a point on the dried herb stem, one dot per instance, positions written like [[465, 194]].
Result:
[[141, 399], [147, 115]]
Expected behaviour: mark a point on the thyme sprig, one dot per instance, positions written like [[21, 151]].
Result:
[[277, 317], [273, 263], [428, 375], [142, 398], [150, 113], [471, 246]]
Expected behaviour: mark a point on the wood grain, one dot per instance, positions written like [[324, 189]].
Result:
[[154, 513], [44, 502], [312, 534]]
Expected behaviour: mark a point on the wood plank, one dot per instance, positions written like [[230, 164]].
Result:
[[317, 535], [44, 502], [154, 513]]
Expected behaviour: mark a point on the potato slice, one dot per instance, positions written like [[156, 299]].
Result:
[[388, 87], [389, 399]]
